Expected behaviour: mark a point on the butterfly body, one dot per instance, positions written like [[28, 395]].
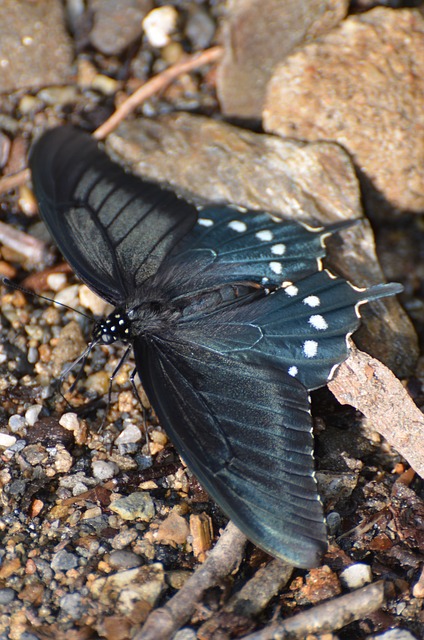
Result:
[[232, 320]]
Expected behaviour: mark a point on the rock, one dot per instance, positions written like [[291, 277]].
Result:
[[35, 48], [129, 435], [73, 605], [137, 505], [7, 596], [173, 530], [259, 34], [361, 85], [159, 24], [104, 470], [143, 583], [63, 561], [217, 162], [394, 634], [69, 346], [117, 23], [7, 440], [124, 560], [356, 576]]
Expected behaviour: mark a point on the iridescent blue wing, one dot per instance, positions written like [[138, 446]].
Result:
[[114, 229], [246, 433]]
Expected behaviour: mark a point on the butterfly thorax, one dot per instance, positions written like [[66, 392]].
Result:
[[115, 327]]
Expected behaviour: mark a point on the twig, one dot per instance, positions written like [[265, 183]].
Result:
[[28, 246], [327, 617], [15, 180], [369, 386], [222, 560], [156, 84]]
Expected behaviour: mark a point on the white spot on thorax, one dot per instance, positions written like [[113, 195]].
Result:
[[237, 225], [312, 301], [310, 348], [265, 235], [276, 267], [291, 290], [293, 371], [205, 222], [278, 249], [318, 322]]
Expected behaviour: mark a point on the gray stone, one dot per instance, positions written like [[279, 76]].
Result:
[[117, 23], [73, 605], [7, 596], [138, 505], [63, 561]]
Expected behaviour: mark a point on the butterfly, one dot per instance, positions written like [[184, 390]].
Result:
[[232, 320]]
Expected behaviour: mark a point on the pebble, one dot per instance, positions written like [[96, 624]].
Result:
[[32, 355], [31, 414], [16, 423], [185, 634], [159, 24], [6, 440], [56, 281], [174, 529], [124, 560], [58, 96], [89, 300], [73, 605], [333, 522], [69, 421], [391, 634], [129, 435], [103, 470], [200, 29], [123, 539], [63, 561], [7, 596], [137, 505], [356, 576], [68, 296]]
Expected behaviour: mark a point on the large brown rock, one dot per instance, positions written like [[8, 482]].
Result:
[[361, 85], [259, 34]]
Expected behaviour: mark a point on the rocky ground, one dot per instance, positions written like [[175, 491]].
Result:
[[313, 110]]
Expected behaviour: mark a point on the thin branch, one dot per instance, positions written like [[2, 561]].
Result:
[[15, 180], [155, 85], [327, 617], [224, 558], [366, 384]]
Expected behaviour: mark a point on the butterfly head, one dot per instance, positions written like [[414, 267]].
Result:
[[115, 327]]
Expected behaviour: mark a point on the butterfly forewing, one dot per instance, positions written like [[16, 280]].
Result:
[[113, 228]]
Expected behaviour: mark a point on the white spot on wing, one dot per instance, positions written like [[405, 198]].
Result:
[[265, 235], [237, 225], [291, 290], [276, 267], [278, 249], [318, 322], [293, 371], [310, 348], [205, 222], [312, 301]]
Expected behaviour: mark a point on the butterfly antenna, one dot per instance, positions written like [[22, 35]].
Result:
[[12, 285]]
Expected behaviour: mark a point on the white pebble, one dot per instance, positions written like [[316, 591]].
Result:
[[103, 470], [56, 281], [31, 414], [159, 24], [92, 301], [129, 435], [16, 422], [32, 355], [6, 440], [69, 421], [356, 576], [68, 296]]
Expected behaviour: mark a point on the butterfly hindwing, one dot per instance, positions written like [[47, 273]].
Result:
[[114, 229], [245, 431]]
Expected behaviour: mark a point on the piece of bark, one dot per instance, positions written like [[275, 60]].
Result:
[[327, 617], [367, 385], [361, 85]]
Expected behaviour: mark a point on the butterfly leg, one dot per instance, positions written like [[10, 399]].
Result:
[[143, 409]]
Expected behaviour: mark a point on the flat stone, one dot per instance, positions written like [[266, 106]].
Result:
[[173, 530], [35, 48], [117, 23], [259, 34], [361, 85], [137, 505], [213, 161]]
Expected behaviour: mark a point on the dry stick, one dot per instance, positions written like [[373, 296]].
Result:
[[366, 384], [327, 617], [224, 558], [16, 180], [156, 84]]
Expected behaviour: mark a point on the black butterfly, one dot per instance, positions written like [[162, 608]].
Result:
[[232, 321]]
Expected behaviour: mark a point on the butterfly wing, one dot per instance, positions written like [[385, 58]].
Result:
[[113, 228], [246, 432]]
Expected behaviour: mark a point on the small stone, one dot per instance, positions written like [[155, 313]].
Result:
[[185, 634], [63, 561], [72, 604], [7, 440], [129, 435], [58, 96], [418, 589], [159, 24], [173, 530], [16, 423], [98, 382], [7, 596], [137, 505], [392, 634], [124, 539], [69, 421], [333, 522], [104, 84], [63, 460], [68, 296], [177, 579], [124, 560], [93, 302], [31, 414], [56, 281], [356, 576], [103, 470]]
